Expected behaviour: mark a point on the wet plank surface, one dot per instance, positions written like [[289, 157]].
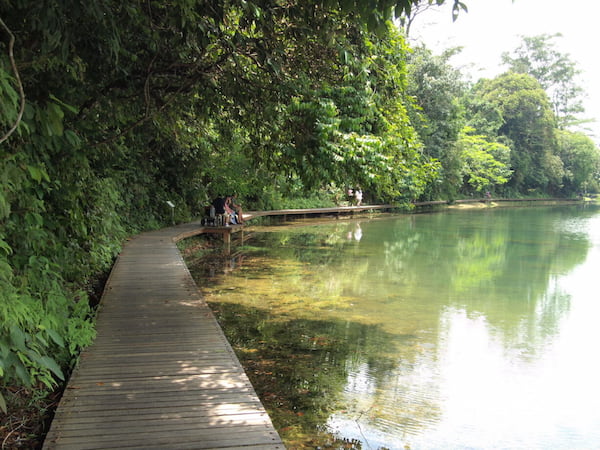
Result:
[[160, 374]]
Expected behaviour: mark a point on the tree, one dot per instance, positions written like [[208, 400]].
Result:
[[581, 158], [520, 108], [485, 164], [555, 72], [437, 114], [175, 101], [376, 12], [408, 16]]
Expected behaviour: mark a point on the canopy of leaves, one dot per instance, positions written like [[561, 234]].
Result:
[[581, 159], [437, 114], [521, 110], [184, 100], [485, 164], [555, 71], [129, 104]]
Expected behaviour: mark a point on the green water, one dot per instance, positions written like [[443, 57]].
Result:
[[467, 329]]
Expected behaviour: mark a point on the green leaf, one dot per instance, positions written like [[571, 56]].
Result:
[[41, 339], [54, 122], [64, 105], [17, 338], [398, 10], [55, 111], [51, 364], [35, 173], [58, 340], [3, 404], [4, 207], [72, 138], [8, 90], [22, 373], [29, 112], [4, 350]]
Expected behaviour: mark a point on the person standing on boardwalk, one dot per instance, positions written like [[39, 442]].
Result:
[[358, 195]]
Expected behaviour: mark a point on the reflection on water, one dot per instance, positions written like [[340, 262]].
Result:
[[451, 330]]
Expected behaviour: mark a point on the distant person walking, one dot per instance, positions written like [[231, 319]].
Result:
[[359, 196]]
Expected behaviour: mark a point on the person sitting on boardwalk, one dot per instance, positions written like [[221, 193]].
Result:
[[219, 204], [229, 212], [237, 208]]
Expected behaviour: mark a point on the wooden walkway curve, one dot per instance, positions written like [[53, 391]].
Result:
[[160, 374]]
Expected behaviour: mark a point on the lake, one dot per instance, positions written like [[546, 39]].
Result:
[[461, 329]]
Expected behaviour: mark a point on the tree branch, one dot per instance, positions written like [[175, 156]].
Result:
[[147, 115]]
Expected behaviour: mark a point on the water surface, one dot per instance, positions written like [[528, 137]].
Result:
[[469, 329]]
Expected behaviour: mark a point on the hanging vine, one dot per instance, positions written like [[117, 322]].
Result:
[[11, 57]]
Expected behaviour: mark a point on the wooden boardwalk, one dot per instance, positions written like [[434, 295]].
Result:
[[160, 374], [335, 210]]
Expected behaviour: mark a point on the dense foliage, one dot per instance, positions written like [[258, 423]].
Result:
[[110, 109], [555, 72], [528, 125], [438, 116]]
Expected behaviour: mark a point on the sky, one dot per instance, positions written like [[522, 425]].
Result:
[[491, 27]]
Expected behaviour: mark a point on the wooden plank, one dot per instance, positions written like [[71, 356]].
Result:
[[167, 399], [160, 373], [203, 416], [190, 439]]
